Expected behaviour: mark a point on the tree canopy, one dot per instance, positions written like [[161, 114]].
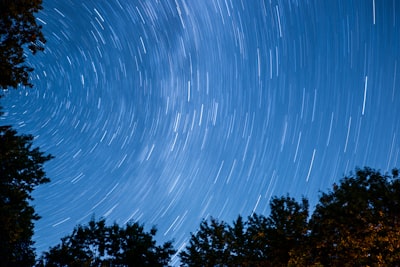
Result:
[[354, 224], [21, 170], [21, 165], [358, 222], [18, 30], [97, 244], [259, 241]]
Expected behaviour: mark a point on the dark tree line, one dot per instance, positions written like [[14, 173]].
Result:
[[357, 223], [259, 241], [97, 244]]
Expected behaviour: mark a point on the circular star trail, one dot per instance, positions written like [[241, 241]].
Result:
[[168, 112]]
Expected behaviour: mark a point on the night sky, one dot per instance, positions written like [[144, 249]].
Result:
[[168, 112]]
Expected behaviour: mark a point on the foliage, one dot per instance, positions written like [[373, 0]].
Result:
[[21, 165], [258, 242], [355, 224], [208, 247], [18, 29], [21, 170], [286, 229], [96, 244]]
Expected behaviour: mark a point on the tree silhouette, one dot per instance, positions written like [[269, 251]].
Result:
[[357, 223], [21, 165], [237, 242], [209, 246], [286, 229], [18, 29], [96, 244], [260, 241], [21, 170]]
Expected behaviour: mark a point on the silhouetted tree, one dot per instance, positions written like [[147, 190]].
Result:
[[21, 170], [18, 29], [99, 245], [237, 243], [357, 223], [209, 246], [258, 242], [286, 229]]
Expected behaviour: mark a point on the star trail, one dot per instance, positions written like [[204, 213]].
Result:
[[168, 112]]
